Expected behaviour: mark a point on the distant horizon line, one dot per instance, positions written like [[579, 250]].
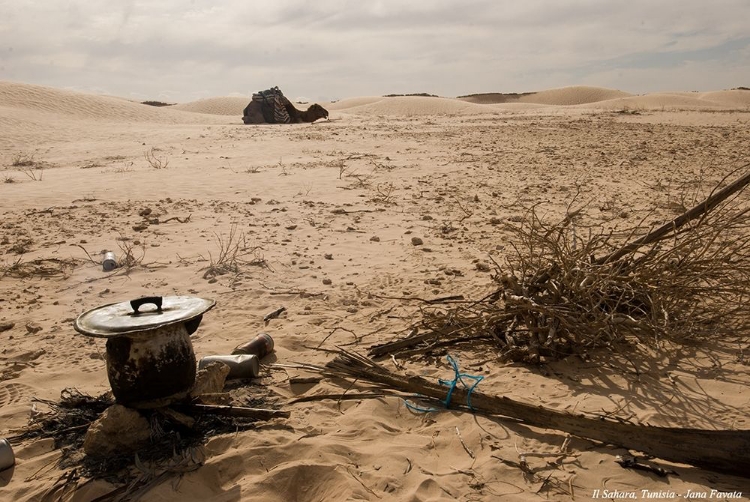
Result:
[[161, 101]]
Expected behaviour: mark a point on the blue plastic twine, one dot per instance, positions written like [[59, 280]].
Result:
[[457, 377]]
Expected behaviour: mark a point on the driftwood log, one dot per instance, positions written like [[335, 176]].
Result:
[[717, 450]]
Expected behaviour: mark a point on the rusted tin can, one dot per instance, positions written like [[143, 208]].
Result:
[[240, 366], [260, 346], [7, 458]]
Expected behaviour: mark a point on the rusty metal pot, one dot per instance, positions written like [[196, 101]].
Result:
[[150, 358]]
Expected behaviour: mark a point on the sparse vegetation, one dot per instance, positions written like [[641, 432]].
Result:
[[421, 94], [628, 111], [384, 193], [43, 267], [23, 160], [33, 175], [234, 252], [132, 253], [154, 160], [156, 103], [343, 168], [125, 167]]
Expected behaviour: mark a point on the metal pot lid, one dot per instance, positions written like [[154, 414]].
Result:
[[143, 314]]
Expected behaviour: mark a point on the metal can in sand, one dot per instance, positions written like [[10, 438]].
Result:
[[260, 346], [110, 261], [240, 366], [7, 458]]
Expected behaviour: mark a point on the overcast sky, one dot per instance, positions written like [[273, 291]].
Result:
[[182, 50]]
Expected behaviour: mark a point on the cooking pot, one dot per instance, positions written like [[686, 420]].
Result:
[[150, 358]]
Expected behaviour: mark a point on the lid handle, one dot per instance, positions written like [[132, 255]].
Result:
[[136, 304]]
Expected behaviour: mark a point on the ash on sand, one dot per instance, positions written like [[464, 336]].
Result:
[[170, 445]]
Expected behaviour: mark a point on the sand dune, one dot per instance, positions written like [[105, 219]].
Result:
[[601, 98], [348, 103], [215, 106], [720, 100], [734, 98], [574, 95], [85, 106], [577, 95], [19, 96], [410, 106]]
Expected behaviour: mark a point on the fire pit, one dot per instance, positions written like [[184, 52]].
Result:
[[150, 358]]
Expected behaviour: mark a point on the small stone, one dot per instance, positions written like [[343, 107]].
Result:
[[483, 267], [117, 431], [328, 256], [416, 241], [374, 238], [5, 326], [210, 380], [495, 220], [32, 328], [426, 217], [327, 282]]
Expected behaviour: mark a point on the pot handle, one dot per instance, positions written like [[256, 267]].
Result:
[[136, 304]]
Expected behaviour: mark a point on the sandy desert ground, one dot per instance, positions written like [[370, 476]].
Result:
[[327, 212]]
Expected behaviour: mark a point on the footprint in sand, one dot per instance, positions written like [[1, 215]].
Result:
[[84, 361], [12, 393]]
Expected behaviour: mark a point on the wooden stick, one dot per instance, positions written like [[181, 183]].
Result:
[[663, 231], [340, 397], [234, 411]]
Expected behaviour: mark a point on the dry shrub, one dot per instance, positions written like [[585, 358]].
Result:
[[132, 253], [558, 293], [43, 267], [234, 251], [23, 160], [154, 160], [560, 297]]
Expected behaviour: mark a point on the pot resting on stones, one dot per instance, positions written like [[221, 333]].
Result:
[[150, 358]]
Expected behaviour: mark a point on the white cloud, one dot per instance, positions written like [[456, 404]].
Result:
[[338, 48]]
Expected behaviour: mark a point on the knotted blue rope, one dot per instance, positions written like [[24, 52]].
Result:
[[451, 384]]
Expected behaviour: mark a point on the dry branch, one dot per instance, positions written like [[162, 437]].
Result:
[[234, 411]]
